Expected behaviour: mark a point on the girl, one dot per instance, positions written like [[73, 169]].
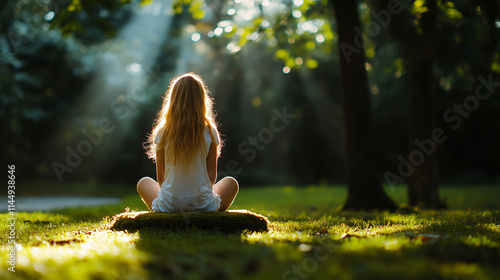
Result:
[[186, 144]]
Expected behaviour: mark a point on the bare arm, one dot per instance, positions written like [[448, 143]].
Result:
[[212, 163], [160, 167]]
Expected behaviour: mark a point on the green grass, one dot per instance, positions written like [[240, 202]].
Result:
[[308, 239]]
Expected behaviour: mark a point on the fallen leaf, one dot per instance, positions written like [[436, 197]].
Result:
[[345, 235], [424, 237]]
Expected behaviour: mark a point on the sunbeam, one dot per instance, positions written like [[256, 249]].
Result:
[[97, 124]]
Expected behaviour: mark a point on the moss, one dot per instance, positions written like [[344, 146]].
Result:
[[232, 221]]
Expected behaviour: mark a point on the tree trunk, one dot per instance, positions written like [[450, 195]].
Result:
[[422, 185], [418, 54], [365, 190]]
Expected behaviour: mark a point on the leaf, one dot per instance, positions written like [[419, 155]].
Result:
[[453, 13], [290, 62], [419, 7], [145, 2], [312, 63], [282, 54], [346, 235], [199, 14], [310, 45], [424, 237]]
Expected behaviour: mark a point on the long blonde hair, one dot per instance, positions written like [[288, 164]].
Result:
[[186, 112]]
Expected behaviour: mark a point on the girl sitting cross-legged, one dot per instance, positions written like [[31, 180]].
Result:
[[186, 144]]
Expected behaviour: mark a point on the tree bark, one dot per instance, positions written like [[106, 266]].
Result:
[[365, 190]]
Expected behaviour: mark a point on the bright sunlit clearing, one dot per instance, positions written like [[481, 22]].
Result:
[[196, 37]]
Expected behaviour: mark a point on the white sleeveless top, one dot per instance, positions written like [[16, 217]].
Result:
[[188, 189]]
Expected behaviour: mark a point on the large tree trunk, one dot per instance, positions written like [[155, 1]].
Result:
[[365, 190], [422, 185], [418, 54]]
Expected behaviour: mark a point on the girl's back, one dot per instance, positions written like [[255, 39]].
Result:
[[188, 187], [186, 145]]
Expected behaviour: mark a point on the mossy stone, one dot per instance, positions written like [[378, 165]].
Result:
[[231, 221]]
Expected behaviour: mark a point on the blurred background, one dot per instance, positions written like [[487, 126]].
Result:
[[81, 83]]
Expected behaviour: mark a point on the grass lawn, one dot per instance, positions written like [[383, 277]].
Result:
[[309, 239]]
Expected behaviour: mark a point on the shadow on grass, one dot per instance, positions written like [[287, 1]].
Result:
[[201, 254]]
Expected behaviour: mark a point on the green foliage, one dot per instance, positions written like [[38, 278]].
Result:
[[495, 65], [462, 244], [40, 75], [300, 33], [91, 21], [195, 7], [447, 8], [419, 6]]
